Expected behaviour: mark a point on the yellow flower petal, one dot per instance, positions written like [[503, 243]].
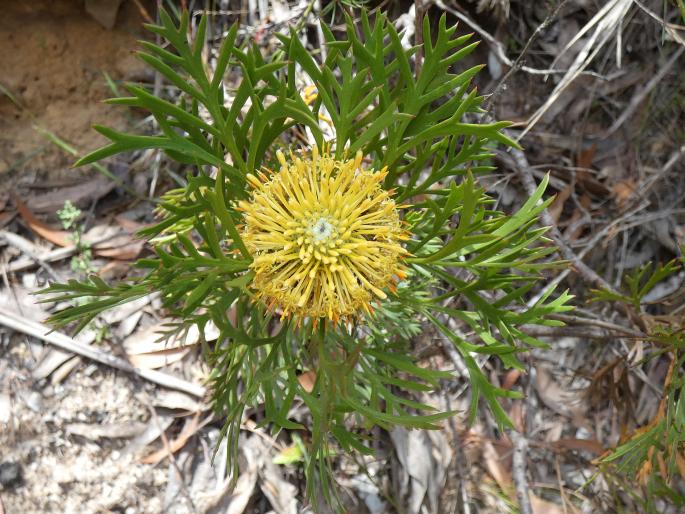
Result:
[[324, 235]]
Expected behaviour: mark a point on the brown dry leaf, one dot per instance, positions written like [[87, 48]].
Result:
[[586, 157], [497, 469], [129, 225], [561, 401], [158, 359], [572, 443], [623, 191], [126, 251], [58, 237], [114, 270], [516, 415], [121, 245], [680, 462], [307, 380], [511, 378], [189, 430], [584, 177], [557, 205]]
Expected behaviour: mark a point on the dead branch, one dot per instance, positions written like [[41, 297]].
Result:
[[21, 324]]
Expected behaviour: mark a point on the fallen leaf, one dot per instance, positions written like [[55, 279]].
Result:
[[307, 380], [510, 379], [573, 443], [586, 157], [158, 359], [127, 251], [6, 217], [680, 462], [82, 193], [188, 431], [425, 461], [496, 468], [114, 270], [176, 400], [623, 191], [119, 244], [64, 370], [282, 495], [557, 205], [58, 237], [152, 432], [561, 401], [152, 339]]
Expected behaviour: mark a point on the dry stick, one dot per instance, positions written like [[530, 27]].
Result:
[[643, 92], [517, 63], [589, 246], [38, 330], [498, 48], [460, 459], [578, 320], [26, 247], [519, 472], [53, 255], [577, 332], [586, 272], [676, 157]]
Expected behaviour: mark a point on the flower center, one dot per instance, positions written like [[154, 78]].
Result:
[[321, 230]]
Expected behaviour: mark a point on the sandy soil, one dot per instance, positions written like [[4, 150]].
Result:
[[53, 56]]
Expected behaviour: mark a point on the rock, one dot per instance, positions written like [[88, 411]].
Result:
[[10, 474]]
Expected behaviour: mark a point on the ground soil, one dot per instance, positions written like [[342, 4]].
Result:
[[53, 57]]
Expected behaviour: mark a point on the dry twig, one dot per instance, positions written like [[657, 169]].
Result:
[[19, 323], [588, 274], [519, 472], [639, 97]]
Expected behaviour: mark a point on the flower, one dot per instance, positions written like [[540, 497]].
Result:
[[324, 236]]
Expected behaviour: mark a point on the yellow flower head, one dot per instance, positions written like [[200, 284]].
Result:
[[324, 235]]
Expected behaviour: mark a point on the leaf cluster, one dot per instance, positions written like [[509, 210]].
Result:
[[653, 454]]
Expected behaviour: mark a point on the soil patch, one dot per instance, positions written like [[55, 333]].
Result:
[[54, 57]]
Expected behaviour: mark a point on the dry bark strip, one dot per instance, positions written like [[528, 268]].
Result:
[[19, 323]]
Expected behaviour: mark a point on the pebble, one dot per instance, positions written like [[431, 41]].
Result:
[[10, 474]]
